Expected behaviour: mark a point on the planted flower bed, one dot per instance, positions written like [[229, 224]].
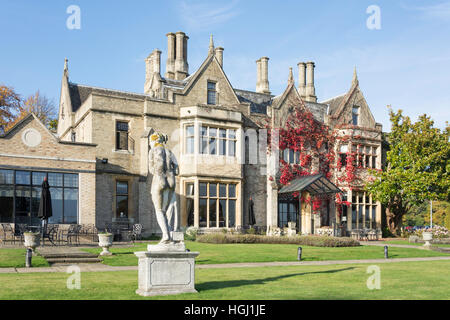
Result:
[[315, 241], [440, 234]]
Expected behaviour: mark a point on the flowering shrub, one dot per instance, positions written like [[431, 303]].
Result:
[[191, 233], [438, 231]]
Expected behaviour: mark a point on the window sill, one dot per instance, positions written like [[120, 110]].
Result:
[[123, 151], [204, 155]]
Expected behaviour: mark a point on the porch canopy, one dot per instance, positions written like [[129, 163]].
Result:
[[314, 184]]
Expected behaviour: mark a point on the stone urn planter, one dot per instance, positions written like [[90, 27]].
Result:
[[32, 240], [105, 241], [427, 237]]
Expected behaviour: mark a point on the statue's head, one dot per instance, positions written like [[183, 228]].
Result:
[[157, 140]]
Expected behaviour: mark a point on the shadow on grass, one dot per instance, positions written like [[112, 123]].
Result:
[[212, 285]]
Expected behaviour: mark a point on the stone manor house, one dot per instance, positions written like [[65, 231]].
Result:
[[97, 161]]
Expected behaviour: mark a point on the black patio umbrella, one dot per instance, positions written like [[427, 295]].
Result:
[[251, 213], [45, 204]]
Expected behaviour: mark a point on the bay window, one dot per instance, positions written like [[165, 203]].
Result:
[[216, 141], [363, 211], [217, 205]]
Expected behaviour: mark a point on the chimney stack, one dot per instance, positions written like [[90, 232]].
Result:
[[302, 79], [152, 72], [310, 89], [219, 55], [170, 64], [262, 75], [181, 65], [291, 77]]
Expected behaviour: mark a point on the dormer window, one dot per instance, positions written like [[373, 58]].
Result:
[[211, 96], [355, 115]]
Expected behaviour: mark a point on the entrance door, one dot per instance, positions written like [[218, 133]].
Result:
[[288, 212]]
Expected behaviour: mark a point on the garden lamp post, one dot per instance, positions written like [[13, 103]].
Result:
[[431, 213]]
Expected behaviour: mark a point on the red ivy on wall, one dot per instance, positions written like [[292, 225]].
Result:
[[315, 143]]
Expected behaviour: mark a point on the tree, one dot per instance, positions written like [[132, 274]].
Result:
[[40, 105], [10, 104], [418, 167]]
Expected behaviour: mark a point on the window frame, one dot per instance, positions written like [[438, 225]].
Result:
[[212, 91], [117, 136], [189, 136], [31, 186], [217, 198], [228, 140], [127, 195], [364, 205], [357, 113]]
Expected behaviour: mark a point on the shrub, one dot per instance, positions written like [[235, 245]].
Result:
[[438, 231], [190, 233], [316, 241]]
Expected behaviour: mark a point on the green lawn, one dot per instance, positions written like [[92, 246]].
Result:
[[402, 280], [15, 258], [235, 253]]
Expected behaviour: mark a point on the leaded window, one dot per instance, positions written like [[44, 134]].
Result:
[[217, 205], [121, 135], [363, 211], [211, 92], [218, 141]]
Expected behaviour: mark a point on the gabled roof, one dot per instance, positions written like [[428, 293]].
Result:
[[334, 103], [314, 184], [279, 100], [80, 93], [31, 115], [193, 79]]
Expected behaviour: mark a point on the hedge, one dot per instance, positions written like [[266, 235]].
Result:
[[315, 241]]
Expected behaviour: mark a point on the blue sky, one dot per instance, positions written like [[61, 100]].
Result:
[[405, 64]]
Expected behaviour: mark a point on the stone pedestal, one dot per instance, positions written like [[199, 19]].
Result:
[[163, 272]]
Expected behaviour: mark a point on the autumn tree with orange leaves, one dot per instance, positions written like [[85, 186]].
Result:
[[10, 106], [13, 108]]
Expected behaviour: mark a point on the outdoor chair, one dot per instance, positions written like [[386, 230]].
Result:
[[9, 234], [363, 234], [109, 227], [71, 235], [52, 234], [136, 232], [89, 230]]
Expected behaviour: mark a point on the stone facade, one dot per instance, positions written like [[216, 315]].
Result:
[[211, 127]]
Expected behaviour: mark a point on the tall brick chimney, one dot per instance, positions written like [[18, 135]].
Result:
[[262, 75], [219, 55], [310, 89], [302, 79], [181, 64], [170, 64]]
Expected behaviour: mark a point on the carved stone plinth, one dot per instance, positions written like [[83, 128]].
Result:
[[166, 272]]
